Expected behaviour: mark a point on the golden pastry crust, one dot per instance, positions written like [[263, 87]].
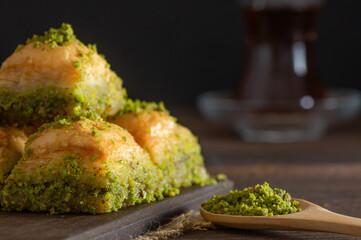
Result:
[[172, 147], [12, 143], [34, 67], [151, 130]]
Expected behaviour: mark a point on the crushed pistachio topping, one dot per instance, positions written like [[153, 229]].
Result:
[[136, 106], [260, 200], [61, 36], [77, 64], [221, 176], [19, 47], [81, 54], [93, 47], [95, 133]]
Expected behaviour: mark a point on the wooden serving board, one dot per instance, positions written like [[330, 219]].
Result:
[[124, 224]]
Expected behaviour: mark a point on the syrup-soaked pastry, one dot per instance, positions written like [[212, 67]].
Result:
[[88, 166], [172, 147], [57, 75]]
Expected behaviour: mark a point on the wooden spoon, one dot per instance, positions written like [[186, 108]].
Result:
[[311, 218]]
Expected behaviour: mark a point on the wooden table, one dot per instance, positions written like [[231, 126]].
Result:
[[326, 172]]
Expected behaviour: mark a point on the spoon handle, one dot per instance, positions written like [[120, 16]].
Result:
[[321, 219], [311, 218]]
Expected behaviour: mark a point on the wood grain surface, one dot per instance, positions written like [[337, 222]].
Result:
[[124, 224], [326, 172]]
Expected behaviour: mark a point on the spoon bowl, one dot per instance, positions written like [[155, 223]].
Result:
[[311, 218]]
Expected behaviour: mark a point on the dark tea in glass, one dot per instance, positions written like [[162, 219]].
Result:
[[280, 98], [280, 62]]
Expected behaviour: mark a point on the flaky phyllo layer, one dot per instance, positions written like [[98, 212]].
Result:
[[57, 75]]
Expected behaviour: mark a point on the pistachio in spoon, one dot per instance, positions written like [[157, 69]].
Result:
[[262, 207], [260, 200]]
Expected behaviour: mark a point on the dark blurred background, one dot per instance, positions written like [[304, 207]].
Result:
[[173, 50]]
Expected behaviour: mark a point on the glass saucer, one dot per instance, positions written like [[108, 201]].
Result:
[[281, 121]]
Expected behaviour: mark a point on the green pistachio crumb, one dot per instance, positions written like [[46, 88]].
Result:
[[221, 176], [93, 47], [77, 64], [95, 133], [19, 47], [80, 53], [69, 156], [93, 157], [61, 36], [260, 200], [36, 44], [136, 106]]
